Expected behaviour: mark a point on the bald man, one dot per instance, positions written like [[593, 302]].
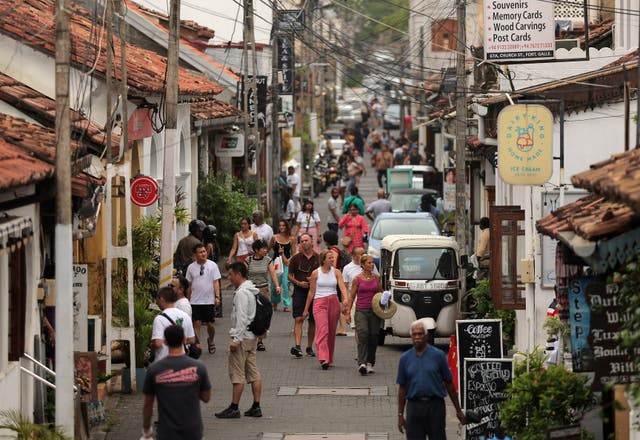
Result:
[[379, 206]]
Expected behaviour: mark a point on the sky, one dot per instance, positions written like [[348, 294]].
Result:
[[220, 15]]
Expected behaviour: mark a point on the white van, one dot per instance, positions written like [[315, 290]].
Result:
[[422, 273]]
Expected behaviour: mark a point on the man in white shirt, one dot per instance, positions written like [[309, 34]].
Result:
[[180, 286], [293, 181], [334, 210], [170, 316], [264, 231], [204, 293], [379, 206]]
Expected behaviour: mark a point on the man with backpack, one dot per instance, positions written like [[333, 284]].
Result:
[[170, 315], [243, 346]]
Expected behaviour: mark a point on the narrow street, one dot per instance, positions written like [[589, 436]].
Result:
[[298, 397]]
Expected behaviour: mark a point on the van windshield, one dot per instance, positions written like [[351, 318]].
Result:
[[425, 264]]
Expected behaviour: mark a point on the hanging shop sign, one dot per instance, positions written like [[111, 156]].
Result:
[[525, 144], [229, 145], [256, 102], [144, 191], [519, 30], [291, 20], [286, 64]]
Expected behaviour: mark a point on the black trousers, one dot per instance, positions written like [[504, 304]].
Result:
[[381, 174], [426, 418]]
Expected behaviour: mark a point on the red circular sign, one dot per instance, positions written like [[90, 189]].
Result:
[[144, 191]]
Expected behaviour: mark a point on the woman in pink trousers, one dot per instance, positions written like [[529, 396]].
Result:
[[327, 305]]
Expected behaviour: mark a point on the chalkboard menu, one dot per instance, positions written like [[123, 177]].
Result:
[[485, 382], [477, 338], [611, 363]]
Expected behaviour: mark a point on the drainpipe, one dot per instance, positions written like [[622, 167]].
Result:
[[480, 112]]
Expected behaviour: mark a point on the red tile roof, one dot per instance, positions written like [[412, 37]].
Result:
[[617, 179], [213, 109], [591, 217], [32, 23], [18, 167], [43, 109]]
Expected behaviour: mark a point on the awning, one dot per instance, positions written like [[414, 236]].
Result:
[[14, 232]]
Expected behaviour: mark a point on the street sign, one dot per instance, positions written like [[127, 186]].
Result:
[[519, 30], [525, 144], [291, 20], [229, 145], [256, 103], [144, 191]]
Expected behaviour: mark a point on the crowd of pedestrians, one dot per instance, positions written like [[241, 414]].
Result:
[[319, 272]]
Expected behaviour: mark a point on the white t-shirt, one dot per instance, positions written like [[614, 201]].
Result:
[[291, 210], [202, 285], [264, 231], [160, 323], [351, 271], [332, 204], [307, 220], [184, 305], [294, 179]]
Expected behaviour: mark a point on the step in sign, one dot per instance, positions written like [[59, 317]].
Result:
[[519, 30]]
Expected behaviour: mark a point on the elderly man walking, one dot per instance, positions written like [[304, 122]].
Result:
[[424, 380]]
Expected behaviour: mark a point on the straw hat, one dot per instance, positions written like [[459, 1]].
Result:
[[383, 312]]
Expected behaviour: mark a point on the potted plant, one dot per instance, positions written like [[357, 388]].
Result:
[[16, 422], [482, 307], [543, 398]]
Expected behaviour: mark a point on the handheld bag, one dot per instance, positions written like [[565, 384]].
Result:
[[262, 321], [278, 265]]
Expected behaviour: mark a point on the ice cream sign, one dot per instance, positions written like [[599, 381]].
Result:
[[525, 144], [521, 30]]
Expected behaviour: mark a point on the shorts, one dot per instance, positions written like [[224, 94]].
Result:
[[242, 363], [203, 312], [298, 301]]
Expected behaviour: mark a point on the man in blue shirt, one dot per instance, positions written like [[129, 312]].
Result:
[[424, 380]]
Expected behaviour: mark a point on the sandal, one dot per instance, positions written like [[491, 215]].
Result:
[[212, 346], [260, 346]]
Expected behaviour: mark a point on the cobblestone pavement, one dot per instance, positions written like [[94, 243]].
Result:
[[335, 413]]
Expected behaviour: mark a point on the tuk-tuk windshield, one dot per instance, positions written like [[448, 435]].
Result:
[[425, 264]]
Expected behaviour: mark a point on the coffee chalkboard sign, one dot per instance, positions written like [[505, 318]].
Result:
[[485, 384], [477, 338]]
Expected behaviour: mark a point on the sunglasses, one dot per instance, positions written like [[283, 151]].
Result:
[[201, 270]]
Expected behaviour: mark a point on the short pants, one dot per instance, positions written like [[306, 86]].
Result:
[[203, 313], [298, 301]]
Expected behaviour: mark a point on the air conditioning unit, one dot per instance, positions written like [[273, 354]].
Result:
[[567, 44], [94, 333]]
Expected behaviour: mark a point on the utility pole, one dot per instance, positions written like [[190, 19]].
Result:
[[245, 93], [461, 134], [256, 99], [171, 140], [65, 404], [108, 16], [275, 130], [124, 88]]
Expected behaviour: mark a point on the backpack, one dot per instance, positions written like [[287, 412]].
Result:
[[262, 320], [343, 258]]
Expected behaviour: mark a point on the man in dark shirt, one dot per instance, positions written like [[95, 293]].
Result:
[[301, 265], [424, 380], [179, 383], [183, 256]]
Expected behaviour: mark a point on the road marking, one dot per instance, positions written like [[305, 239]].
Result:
[[339, 391]]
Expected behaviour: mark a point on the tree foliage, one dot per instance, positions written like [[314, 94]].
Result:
[[219, 206]]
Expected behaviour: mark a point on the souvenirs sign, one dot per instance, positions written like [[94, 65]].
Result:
[[519, 30], [525, 144]]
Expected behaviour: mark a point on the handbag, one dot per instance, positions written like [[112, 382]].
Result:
[[278, 266]]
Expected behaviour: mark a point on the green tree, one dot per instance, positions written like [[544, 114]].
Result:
[[223, 208]]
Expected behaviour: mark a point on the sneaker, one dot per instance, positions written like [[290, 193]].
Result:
[[324, 365], [260, 346], [310, 352], [362, 368], [253, 412], [228, 413], [370, 369], [296, 351]]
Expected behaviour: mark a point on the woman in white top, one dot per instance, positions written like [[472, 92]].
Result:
[[242, 241], [308, 222], [327, 305]]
